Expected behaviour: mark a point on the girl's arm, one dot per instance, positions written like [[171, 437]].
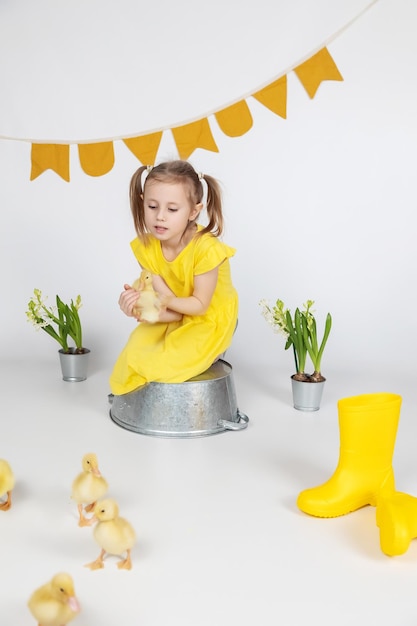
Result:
[[198, 303], [175, 308]]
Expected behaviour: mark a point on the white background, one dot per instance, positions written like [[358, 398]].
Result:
[[320, 205]]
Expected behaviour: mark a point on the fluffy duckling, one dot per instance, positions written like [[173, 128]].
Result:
[[55, 603], [148, 304], [7, 483], [114, 534], [88, 487]]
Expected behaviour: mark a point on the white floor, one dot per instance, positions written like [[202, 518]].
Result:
[[220, 539]]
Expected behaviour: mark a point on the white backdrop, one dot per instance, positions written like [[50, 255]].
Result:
[[91, 70], [318, 206]]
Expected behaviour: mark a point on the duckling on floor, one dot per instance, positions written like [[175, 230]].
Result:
[[88, 487], [7, 483], [55, 603], [114, 534]]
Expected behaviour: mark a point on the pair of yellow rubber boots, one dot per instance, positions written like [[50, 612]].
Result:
[[364, 475]]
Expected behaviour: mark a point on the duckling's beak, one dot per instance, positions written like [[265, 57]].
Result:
[[96, 471], [74, 604]]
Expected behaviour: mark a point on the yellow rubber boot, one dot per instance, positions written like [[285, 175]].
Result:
[[396, 516], [368, 427]]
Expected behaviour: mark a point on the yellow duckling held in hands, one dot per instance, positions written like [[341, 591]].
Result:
[[148, 304], [88, 487], [7, 483], [114, 534], [55, 603]]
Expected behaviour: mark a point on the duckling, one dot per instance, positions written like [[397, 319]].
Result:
[[55, 603], [88, 487], [7, 483], [113, 534], [148, 304]]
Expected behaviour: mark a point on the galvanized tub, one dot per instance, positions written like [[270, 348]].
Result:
[[203, 405]]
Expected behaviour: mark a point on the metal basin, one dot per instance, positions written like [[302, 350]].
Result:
[[203, 405]]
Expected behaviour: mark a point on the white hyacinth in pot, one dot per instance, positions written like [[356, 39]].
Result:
[[62, 323], [300, 331]]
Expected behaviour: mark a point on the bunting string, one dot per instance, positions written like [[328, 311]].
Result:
[[234, 120], [97, 158]]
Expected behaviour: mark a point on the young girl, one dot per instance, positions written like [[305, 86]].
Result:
[[191, 273]]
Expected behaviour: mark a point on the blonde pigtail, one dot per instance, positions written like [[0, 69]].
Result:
[[136, 201], [213, 207]]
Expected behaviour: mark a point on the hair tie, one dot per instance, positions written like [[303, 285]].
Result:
[[200, 175]]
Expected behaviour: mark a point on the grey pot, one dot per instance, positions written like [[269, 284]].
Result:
[[306, 395], [203, 405], [74, 366]]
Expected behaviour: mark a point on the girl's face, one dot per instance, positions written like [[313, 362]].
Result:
[[168, 211]]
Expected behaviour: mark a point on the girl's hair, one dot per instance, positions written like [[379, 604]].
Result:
[[177, 172]]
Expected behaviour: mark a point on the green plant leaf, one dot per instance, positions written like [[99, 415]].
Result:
[[66, 319]]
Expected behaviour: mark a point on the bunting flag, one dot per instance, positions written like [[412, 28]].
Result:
[[192, 136], [145, 148], [97, 158], [274, 97], [235, 120], [316, 69], [48, 156]]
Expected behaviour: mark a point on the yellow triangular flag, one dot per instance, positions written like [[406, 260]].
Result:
[[192, 136], [274, 96], [235, 120], [96, 159], [50, 156], [316, 69], [145, 148]]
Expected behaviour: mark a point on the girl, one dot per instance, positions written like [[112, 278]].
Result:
[[190, 271]]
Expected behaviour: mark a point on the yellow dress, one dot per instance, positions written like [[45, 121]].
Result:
[[176, 351]]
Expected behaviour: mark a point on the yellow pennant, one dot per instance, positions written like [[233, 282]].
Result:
[[235, 120], [274, 97], [96, 159], [192, 136], [316, 69], [145, 148], [50, 156]]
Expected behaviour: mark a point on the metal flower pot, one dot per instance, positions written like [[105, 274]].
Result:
[[203, 405], [306, 395], [74, 366]]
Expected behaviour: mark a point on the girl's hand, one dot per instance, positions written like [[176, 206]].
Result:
[[127, 300]]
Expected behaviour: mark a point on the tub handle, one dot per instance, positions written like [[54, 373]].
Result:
[[239, 425]]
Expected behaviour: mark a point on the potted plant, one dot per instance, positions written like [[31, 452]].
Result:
[[300, 331], [62, 322]]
